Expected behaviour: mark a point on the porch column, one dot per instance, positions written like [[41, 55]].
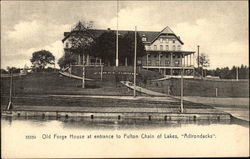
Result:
[[184, 61], [87, 62], [193, 71], [193, 60], [79, 59], [147, 60], [126, 61], [159, 55], [171, 59], [190, 60], [171, 64]]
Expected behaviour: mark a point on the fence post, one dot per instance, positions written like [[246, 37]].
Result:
[[101, 71], [216, 92]]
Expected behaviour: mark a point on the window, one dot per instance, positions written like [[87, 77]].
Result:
[[167, 56], [161, 40], [174, 56], [167, 48], [176, 62], [157, 62], [179, 56], [173, 41], [67, 45], [161, 47], [155, 47], [173, 47], [179, 47], [167, 62]]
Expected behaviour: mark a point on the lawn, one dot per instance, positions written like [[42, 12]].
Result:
[[54, 83]]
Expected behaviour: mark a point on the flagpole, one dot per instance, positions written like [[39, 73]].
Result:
[[135, 65], [10, 97], [116, 60]]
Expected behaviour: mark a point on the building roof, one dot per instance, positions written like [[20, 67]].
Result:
[[151, 36], [171, 51]]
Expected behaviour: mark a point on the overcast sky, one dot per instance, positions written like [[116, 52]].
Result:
[[219, 27]]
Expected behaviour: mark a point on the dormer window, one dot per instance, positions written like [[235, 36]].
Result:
[[67, 45], [144, 38]]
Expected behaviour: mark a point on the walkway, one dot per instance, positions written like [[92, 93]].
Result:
[[142, 90], [74, 76]]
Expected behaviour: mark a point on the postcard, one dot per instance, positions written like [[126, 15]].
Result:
[[123, 79]]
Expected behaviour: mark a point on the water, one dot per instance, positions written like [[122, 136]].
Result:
[[33, 137]]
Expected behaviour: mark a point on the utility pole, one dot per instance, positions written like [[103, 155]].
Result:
[[83, 71], [182, 88], [135, 65], [237, 73], [116, 59], [198, 58], [10, 97]]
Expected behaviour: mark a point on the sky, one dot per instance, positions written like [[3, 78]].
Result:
[[220, 28]]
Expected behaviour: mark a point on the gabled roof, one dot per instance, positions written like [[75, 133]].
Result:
[[150, 35], [167, 31]]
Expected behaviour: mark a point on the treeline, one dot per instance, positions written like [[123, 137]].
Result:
[[226, 73], [18, 70]]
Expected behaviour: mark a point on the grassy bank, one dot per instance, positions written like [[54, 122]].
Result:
[[54, 83], [203, 88]]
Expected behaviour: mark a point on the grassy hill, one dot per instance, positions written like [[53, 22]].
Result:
[[54, 83], [122, 73]]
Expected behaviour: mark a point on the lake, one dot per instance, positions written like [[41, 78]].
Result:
[[35, 137]]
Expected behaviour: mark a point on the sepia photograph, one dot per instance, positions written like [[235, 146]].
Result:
[[123, 79]]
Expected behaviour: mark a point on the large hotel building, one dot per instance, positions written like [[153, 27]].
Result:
[[163, 50]]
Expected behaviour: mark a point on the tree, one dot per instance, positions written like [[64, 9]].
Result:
[[105, 47], [40, 59], [203, 61], [66, 60], [127, 47], [13, 69]]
